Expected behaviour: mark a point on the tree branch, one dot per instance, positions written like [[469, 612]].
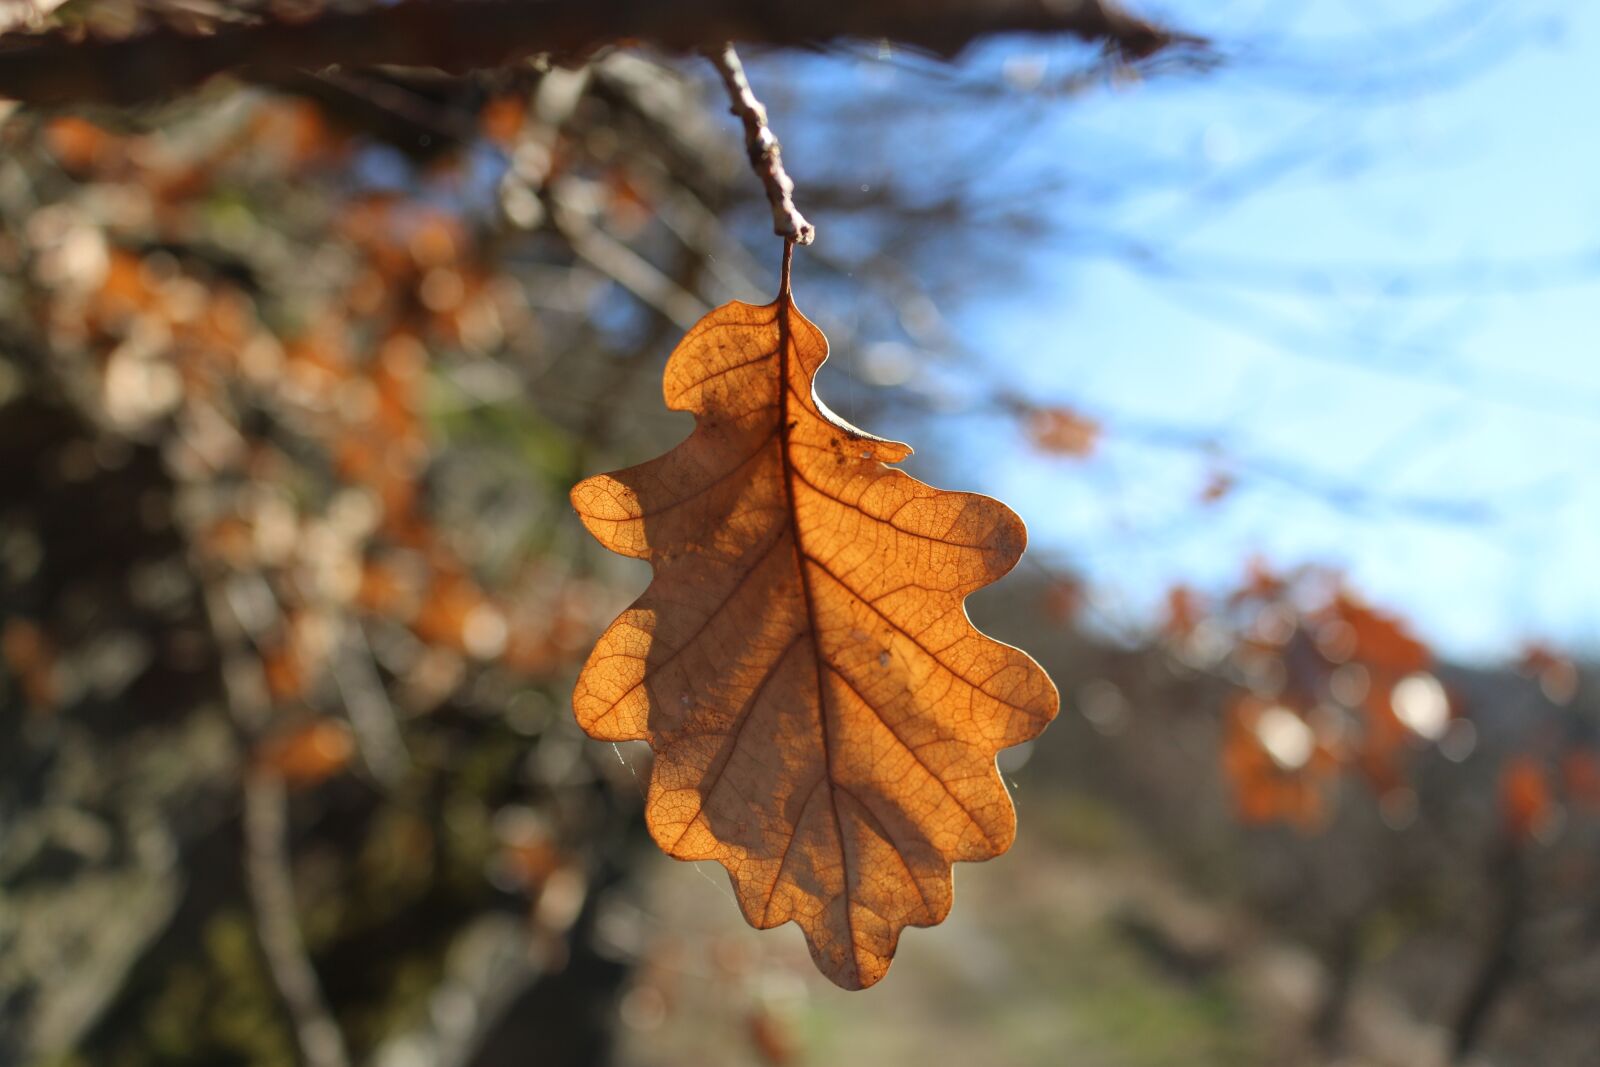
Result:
[[761, 144], [60, 67], [271, 889], [1508, 876]]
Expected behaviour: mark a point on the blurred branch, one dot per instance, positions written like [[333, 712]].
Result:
[[372, 716], [572, 217], [1498, 965], [491, 965], [623, 265], [1393, 281], [761, 144], [1352, 496], [268, 877], [1400, 361], [60, 67], [271, 889]]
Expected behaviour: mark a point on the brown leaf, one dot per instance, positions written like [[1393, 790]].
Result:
[[1580, 774], [309, 754], [1526, 804], [1382, 641], [77, 143], [1063, 432], [1219, 486], [825, 717], [29, 654], [773, 1039], [1064, 600], [1262, 585], [1184, 612], [502, 119], [1279, 768]]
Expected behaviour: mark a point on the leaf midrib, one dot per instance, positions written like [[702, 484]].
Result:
[[785, 427]]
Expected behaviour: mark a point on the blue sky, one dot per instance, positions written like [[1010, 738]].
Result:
[[1381, 270]]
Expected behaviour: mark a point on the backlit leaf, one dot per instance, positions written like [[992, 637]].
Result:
[[825, 718]]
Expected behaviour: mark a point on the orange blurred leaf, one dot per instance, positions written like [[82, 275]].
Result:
[[502, 117], [1580, 775], [1261, 584], [1526, 803], [1063, 432], [1184, 612], [309, 754], [1380, 641], [1063, 600], [284, 672], [1279, 769], [456, 613], [30, 656], [78, 143], [773, 1039], [1219, 486]]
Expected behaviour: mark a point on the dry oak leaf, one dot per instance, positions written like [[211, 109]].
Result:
[[824, 715]]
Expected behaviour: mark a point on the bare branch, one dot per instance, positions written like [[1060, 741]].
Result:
[[372, 716], [1509, 877], [761, 144], [268, 878], [458, 35], [556, 101], [624, 266], [269, 882], [271, 889]]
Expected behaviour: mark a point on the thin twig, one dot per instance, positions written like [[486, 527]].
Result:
[[1493, 976], [766, 155], [623, 265], [271, 888], [269, 883], [372, 716]]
